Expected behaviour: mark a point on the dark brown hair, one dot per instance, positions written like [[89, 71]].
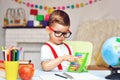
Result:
[[60, 17]]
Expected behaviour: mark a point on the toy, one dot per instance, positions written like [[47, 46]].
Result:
[[33, 12], [80, 64]]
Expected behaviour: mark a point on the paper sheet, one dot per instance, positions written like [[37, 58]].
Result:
[[52, 77], [2, 73], [84, 76], [77, 76]]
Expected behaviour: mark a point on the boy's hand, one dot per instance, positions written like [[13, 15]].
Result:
[[70, 58]]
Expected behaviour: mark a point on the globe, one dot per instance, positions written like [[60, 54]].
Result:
[[111, 55], [111, 51]]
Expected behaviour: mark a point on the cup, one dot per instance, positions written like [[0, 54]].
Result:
[[11, 70]]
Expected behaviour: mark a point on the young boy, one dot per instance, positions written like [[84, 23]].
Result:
[[56, 55]]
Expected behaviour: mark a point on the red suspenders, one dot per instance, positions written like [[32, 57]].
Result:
[[68, 49], [55, 54]]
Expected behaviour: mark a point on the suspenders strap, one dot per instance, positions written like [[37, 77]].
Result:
[[55, 54], [68, 49]]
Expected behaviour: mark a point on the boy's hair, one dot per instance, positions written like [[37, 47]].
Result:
[[60, 17]]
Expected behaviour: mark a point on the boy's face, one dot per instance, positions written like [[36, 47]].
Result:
[[58, 33]]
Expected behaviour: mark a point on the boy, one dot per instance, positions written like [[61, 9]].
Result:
[[56, 55]]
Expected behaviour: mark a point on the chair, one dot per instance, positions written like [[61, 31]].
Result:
[[82, 46]]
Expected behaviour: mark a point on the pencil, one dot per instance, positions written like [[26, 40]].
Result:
[[69, 76], [60, 76]]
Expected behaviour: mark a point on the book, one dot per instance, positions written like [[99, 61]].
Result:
[[2, 69], [80, 64]]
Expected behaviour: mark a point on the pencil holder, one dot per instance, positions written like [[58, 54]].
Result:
[[11, 70]]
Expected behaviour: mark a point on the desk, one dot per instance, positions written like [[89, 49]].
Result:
[[93, 74], [100, 74]]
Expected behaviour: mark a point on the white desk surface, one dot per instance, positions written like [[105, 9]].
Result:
[[90, 75]]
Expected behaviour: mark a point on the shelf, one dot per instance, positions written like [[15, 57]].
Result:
[[21, 27]]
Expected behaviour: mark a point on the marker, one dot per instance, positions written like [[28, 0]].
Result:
[[4, 55], [69, 76], [61, 76], [20, 49], [2, 48]]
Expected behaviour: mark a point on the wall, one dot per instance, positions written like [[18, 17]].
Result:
[[102, 9], [97, 32]]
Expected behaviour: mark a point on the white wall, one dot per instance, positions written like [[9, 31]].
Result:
[[101, 9]]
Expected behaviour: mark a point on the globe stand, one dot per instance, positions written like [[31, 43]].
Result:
[[114, 73]]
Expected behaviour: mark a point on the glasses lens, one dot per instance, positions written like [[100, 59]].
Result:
[[58, 33], [65, 34]]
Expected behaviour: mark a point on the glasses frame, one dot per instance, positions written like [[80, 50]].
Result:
[[62, 33]]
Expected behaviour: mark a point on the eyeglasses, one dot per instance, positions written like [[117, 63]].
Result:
[[59, 33]]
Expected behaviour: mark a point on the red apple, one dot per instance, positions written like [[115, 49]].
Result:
[[26, 72]]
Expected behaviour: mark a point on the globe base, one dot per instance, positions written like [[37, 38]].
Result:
[[114, 73], [113, 76]]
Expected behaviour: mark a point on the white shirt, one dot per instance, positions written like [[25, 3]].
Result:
[[61, 50]]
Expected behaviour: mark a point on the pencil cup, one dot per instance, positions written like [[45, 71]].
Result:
[[11, 69]]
